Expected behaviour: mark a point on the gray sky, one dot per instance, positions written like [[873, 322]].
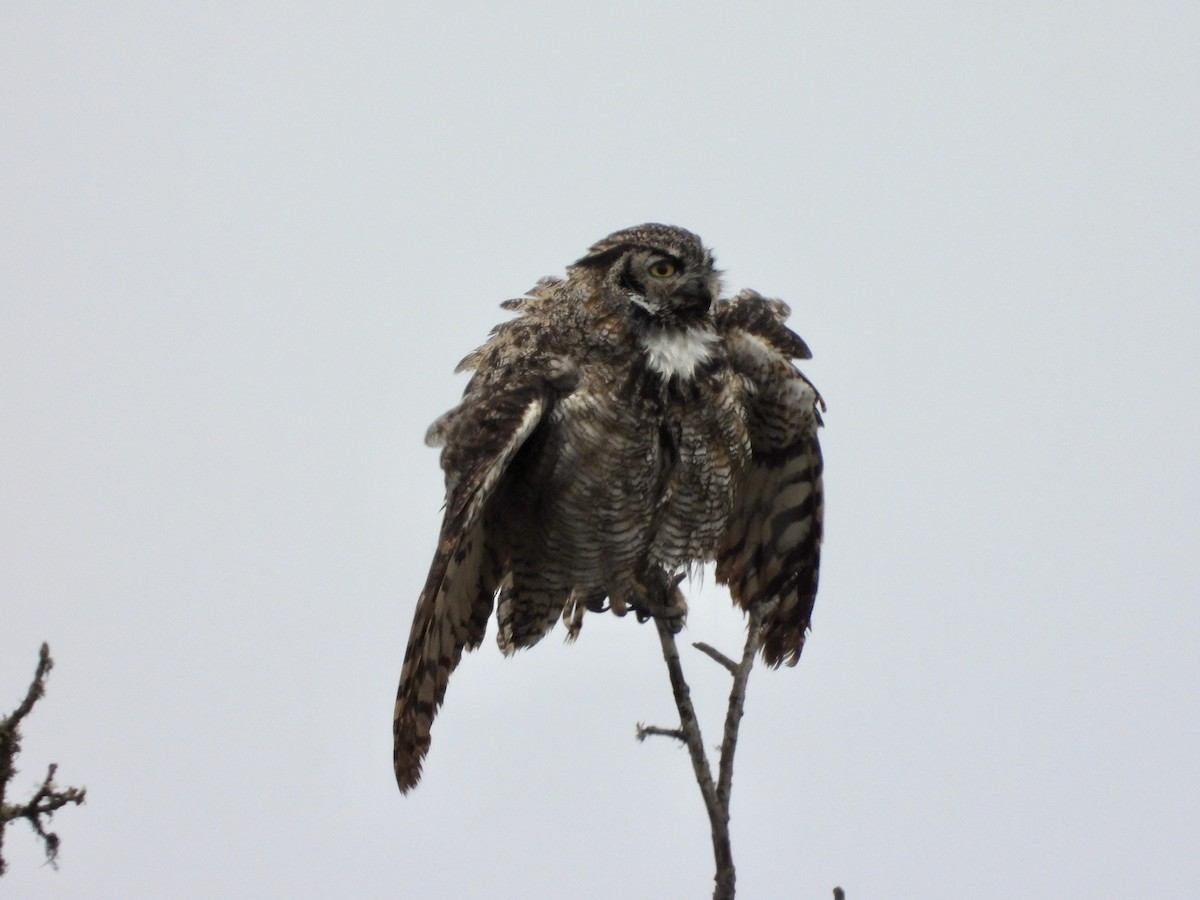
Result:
[[242, 247]]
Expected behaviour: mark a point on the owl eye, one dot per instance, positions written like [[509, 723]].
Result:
[[662, 268]]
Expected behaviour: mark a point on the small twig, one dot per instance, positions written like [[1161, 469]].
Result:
[[41, 807], [645, 731], [712, 652], [839, 894], [45, 802]]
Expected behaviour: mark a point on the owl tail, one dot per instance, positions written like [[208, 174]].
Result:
[[451, 616]]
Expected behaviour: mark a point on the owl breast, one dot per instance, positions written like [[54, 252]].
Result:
[[626, 478], [709, 451]]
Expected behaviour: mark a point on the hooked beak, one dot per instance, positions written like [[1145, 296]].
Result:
[[695, 298]]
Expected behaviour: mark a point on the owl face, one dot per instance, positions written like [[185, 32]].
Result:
[[664, 273]]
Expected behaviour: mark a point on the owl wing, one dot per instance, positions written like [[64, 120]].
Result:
[[481, 437], [771, 548]]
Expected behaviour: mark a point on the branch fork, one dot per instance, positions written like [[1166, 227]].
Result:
[[715, 793]]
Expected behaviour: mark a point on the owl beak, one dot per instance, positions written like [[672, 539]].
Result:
[[694, 298]]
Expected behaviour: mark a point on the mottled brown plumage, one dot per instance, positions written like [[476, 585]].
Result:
[[624, 426]]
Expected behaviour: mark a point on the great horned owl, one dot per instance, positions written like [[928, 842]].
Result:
[[626, 425]]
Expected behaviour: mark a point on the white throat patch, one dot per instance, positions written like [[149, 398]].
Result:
[[671, 352]]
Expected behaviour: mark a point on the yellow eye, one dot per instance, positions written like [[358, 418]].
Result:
[[662, 268]]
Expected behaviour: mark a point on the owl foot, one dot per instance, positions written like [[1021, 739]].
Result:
[[577, 605], [662, 600]]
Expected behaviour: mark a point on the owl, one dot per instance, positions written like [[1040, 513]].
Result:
[[625, 426]]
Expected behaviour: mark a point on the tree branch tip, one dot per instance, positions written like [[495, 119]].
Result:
[[717, 656], [48, 798], [645, 731]]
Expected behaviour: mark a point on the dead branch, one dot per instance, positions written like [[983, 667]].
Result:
[[716, 794], [39, 809], [689, 733], [717, 655], [645, 731]]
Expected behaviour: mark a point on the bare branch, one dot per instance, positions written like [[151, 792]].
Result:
[[37, 690], [40, 809], [716, 795], [43, 805], [839, 894], [689, 728], [689, 724], [645, 731], [737, 700], [714, 653]]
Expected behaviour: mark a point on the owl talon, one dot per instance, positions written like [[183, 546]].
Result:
[[663, 601], [673, 616]]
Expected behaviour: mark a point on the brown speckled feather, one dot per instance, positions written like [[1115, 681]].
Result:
[[454, 607]]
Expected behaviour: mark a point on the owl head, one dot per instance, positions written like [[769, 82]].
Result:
[[665, 273]]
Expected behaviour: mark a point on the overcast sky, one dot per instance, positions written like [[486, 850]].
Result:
[[242, 247]]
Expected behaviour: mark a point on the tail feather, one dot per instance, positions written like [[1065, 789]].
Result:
[[529, 606]]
